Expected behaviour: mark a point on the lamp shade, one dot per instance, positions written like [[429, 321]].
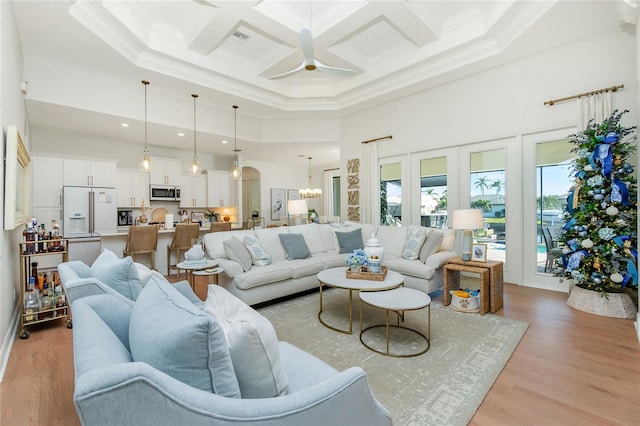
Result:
[[226, 212], [297, 207], [467, 219]]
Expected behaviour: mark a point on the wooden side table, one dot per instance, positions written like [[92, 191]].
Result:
[[491, 283]]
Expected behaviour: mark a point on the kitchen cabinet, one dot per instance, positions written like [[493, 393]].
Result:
[[47, 182], [89, 173], [132, 188], [165, 172], [193, 191], [219, 189]]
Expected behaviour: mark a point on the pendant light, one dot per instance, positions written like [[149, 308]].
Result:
[[236, 171], [145, 164], [308, 192], [195, 164]]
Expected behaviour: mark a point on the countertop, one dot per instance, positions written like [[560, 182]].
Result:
[[124, 231]]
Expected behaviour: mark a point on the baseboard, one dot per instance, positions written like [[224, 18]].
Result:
[[7, 342]]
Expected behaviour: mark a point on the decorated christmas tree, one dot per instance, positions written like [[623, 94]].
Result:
[[600, 239]]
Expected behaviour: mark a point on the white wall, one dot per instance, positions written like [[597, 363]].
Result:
[[503, 102], [12, 111]]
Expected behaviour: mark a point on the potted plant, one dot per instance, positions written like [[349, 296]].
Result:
[[213, 216], [312, 216], [599, 238]]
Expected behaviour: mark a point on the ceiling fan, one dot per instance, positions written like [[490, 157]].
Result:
[[310, 63]]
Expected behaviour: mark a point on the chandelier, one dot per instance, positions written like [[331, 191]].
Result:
[[308, 192]]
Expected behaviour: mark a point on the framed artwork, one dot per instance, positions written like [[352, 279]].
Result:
[[197, 217], [278, 203], [479, 252], [17, 189], [293, 194]]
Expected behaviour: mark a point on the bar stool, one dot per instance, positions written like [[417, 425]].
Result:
[[182, 237], [142, 240], [219, 226]]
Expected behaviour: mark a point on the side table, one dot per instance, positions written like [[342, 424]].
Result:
[[191, 268], [491, 283], [213, 272]]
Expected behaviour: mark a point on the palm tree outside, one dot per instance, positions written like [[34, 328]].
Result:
[[482, 184]]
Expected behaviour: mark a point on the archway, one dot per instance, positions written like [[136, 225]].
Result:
[[251, 194]]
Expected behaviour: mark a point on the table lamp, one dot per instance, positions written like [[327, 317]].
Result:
[[467, 220], [297, 208], [226, 215]]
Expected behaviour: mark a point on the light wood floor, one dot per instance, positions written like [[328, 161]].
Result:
[[571, 368]]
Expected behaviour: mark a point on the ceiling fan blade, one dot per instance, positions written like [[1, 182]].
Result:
[[342, 72], [306, 43], [288, 73]]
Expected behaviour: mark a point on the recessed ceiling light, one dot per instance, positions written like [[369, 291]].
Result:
[[124, 125], [224, 141], [180, 134]]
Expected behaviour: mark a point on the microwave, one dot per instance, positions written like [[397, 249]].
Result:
[[164, 193]]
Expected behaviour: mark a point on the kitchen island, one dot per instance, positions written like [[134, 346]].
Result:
[[116, 241]]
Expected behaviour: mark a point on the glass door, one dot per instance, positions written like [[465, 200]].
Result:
[[546, 164]]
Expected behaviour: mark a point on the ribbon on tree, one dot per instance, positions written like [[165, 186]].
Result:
[[625, 242], [569, 223], [602, 153], [574, 196], [619, 192], [632, 271]]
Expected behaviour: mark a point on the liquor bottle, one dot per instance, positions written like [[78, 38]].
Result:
[[31, 303], [34, 270], [60, 305], [31, 238], [41, 238], [46, 301]]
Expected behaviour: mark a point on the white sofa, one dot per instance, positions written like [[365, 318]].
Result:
[[283, 277]]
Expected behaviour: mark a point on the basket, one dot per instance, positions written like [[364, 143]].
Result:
[[365, 275], [464, 304]]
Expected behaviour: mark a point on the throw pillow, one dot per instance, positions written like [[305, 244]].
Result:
[[169, 333], [259, 255], [350, 241], [295, 246], [119, 274], [431, 245], [414, 242], [253, 345], [237, 252]]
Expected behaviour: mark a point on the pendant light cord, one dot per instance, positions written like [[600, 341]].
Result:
[[146, 83], [195, 155]]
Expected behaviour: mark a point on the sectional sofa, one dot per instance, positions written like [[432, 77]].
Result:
[[265, 264]]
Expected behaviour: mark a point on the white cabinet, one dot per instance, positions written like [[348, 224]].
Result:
[[220, 189], [46, 189], [132, 188], [47, 182], [165, 172], [193, 191], [89, 173]]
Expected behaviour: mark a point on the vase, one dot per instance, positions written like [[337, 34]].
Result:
[[354, 268], [615, 305], [373, 248]]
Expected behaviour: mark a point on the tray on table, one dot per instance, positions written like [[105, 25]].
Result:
[[366, 275]]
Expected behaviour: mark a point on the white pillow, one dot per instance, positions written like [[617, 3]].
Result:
[[253, 345], [448, 239], [431, 245], [237, 252], [258, 254], [415, 240]]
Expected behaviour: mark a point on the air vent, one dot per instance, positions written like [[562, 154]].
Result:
[[241, 37]]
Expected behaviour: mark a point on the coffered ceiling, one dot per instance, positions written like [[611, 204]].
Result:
[[227, 50]]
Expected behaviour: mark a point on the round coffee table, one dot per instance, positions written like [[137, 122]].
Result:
[[397, 300], [337, 278], [191, 268]]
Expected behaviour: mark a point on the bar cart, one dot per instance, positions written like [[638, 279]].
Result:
[[28, 251]]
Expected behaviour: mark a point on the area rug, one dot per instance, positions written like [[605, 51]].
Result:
[[444, 386]]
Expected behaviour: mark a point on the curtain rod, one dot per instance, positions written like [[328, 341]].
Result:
[[612, 89], [330, 170], [378, 139]]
